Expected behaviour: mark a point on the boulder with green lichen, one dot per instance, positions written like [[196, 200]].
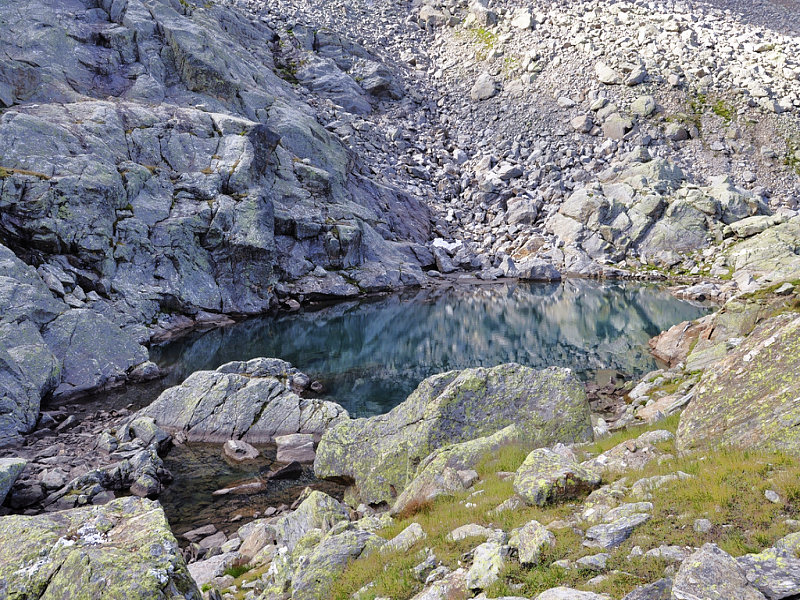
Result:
[[378, 457], [750, 398], [123, 549], [552, 475]]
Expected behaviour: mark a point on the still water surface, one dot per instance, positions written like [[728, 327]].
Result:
[[370, 355]]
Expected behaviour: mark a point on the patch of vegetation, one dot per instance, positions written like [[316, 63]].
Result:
[[8, 171], [237, 570], [725, 110], [485, 39], [726, 486], [792, 157]]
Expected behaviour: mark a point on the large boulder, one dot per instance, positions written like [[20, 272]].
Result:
[[47, 347], [712, 574], [379, 456], [123, 549], [94, 351], [249, 400], [749, 398]]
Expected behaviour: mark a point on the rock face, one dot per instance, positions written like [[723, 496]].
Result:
[[121, 550], [749, 398], [151, 154], [10, 468], [47, 347], [379, 456], [249, 400]]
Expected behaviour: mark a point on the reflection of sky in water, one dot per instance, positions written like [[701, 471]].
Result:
[[371, 355]]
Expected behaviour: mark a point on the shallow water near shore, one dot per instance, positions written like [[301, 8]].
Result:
[[370, 355]]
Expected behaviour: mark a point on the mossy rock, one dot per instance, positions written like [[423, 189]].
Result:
[[750, 398], [123, 550], [379, 456]]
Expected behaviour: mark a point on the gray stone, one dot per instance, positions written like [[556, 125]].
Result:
[[712, 574], [531, 540], [658, 590], [484, 87], [565, 593], [611, 535], [244, 400], [644, 106], [10, 468], [239, 451], [404, 540], [488, 562]]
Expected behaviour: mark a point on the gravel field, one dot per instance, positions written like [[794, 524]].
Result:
[[780, 15]]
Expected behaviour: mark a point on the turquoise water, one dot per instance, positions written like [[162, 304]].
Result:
[[370, 355]]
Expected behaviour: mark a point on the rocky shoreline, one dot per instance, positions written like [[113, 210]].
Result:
[[166, 166]]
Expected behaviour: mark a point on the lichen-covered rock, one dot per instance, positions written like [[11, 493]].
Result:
[[712, 574], [123, 549], [379, 456], [249, 400], [658, 590], [770, 256], [315, 572], [451, 585], [632, 454], [405, 539], [531, 540], [547, 476], [749, 398], [565, 593], [775, 572], [646, 209], [437, 474], [317, 511], [10, 468], [488, 561], [611, 535]]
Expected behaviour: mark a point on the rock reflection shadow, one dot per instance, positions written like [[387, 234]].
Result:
[[371, 355]]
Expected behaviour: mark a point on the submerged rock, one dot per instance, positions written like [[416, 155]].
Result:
[[251, 401], [123, 549], [379, 456]]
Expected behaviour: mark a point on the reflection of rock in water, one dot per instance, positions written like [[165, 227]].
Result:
[[200, 469], [371, 355]]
